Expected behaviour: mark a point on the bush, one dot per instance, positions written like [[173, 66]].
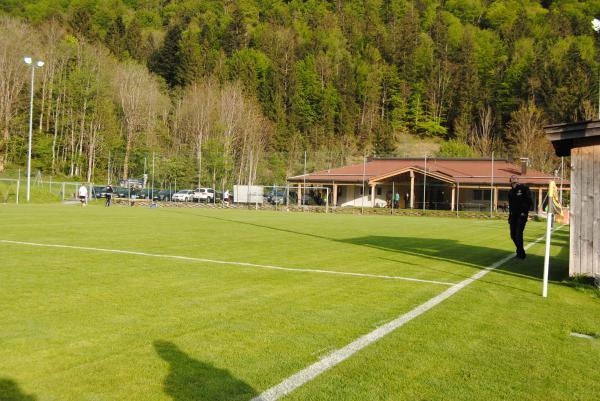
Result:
[[454, 148]]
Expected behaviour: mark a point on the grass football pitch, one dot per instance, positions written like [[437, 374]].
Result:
[[139, 304]]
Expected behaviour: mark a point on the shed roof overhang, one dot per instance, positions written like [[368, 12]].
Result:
[[565, 137]]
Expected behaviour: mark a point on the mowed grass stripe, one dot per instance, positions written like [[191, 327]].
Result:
[[434, 249], [99, 326], [335, 358], [497, 340], [74, 326], [221, 262]]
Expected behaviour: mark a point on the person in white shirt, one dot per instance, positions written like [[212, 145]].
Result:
[[83, 193], [226, 197]]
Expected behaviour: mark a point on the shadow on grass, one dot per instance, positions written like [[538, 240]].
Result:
[[193, 380], [10, 391], [452, 251], [455, 252]]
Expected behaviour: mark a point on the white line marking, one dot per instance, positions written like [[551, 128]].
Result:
[[222, 262], [581, 335], [304, 376]]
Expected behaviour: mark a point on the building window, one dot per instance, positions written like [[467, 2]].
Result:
[[378, 190], [481, 194]]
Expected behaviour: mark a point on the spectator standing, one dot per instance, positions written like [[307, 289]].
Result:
[[226, 197], [83, 194]]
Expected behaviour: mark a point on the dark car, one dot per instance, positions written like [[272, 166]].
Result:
[[145, 193], [277, 197], [163, 195], [121, 192], [98, 192]]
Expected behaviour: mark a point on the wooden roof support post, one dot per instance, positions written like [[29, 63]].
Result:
[[495, 199], [373, 194], [334, 195], [452, 197]]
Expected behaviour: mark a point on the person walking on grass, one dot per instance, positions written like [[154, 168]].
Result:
[[226, 197], [109, 193], [519, 203], [83, 193]]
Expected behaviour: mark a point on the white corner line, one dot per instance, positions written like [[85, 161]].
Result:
[[334, 358], [223, 262]]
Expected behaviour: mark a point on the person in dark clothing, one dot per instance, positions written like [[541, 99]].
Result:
[[109, 193], [519, 203]]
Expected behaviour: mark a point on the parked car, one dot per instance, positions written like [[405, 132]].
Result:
[[204, 195], [144, 193], [185, 195], [98, 192], [121, 192], [307, 200], [277, 197], [164, 195]]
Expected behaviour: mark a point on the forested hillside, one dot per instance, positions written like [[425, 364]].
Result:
[[236, 91]]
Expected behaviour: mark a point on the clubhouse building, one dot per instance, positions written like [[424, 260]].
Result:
[[442, 184]]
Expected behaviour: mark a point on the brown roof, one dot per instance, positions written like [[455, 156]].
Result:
[[464, 171]]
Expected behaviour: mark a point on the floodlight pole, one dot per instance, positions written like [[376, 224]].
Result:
[[457, 197], [562, 166], [39, 63], [596, 27], [18, 186], [152, 187], [492, 190], [362, 200], [303, 192], [424, 183], [547, 254], [393, 194]]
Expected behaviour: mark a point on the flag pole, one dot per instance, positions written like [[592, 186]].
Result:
[[551, 195]]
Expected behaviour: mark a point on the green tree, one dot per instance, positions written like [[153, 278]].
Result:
[[115, 37], [166, 60]]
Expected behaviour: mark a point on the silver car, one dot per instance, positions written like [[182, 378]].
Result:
[[185, 195]]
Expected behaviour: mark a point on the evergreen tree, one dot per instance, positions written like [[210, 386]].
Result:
[[115, 37], [166, 60], [134, 41], [234, 37]]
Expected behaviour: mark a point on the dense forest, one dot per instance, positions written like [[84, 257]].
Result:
[[236, 91]]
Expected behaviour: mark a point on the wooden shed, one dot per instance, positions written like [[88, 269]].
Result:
[[581, 141]]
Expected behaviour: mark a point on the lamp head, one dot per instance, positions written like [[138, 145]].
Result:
[[596, 24], [39, 63], [27, 60]]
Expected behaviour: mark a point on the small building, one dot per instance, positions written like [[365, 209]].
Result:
[[440, 184], [581, 141]]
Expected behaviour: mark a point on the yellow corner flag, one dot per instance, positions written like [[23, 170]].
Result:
[[553, 197]]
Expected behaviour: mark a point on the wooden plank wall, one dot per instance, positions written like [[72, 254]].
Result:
[[574, 254], [596, 219], [585, 206]]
